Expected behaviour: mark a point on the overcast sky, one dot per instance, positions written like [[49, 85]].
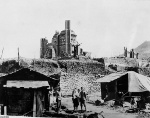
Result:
[[103, 27]]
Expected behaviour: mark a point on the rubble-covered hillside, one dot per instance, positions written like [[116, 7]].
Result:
[[143, 50], [74, 73], [44, 66]]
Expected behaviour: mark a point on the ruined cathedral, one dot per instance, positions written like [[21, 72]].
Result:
[[64, 44]]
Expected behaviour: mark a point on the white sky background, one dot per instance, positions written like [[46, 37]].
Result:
[[103, 27]]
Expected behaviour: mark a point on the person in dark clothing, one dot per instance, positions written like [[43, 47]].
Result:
[[82, 99], [58, 99], [141, 103], [75, 98], [132, 102]]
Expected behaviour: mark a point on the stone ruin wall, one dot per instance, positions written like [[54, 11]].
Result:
[[78, 74]]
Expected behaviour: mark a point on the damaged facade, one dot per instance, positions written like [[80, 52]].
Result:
[[130, 54], [64, 44]]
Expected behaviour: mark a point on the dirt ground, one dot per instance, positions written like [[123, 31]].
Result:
[[107, 112]]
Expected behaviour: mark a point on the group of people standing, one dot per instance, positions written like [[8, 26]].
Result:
[[79, 97]]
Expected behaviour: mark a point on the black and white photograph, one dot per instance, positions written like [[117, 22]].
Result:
[[75, 58]]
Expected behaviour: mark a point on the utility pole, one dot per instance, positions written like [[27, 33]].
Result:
[[2, 53], [18, 57], [34, 63]]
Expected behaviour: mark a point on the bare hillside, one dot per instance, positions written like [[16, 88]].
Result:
[[143, 50]]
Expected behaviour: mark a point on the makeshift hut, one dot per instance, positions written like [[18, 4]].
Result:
[[25, 92], [118, 84]]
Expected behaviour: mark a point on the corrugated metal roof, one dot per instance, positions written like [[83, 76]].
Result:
[[27, 84]]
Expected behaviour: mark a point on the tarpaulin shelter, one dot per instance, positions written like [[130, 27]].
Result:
[[26, 91], [130, 81]]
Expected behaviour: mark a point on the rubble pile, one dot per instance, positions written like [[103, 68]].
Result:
[[132, 62], [122, 61], [9, 66], [85, 67], [78, 74], [145, 71], [69, 82], [45, 66]]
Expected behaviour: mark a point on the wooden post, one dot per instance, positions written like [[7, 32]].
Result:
[[34, 104], [2, 53], [6, 98], [49, 97], [116, 90], [5, 110], [0, 110], [18, 57], [52, 95]]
